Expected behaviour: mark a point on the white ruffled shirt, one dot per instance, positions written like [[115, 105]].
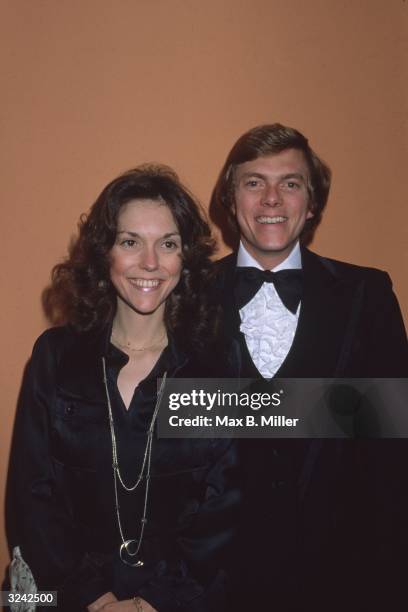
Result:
[[268, 326]]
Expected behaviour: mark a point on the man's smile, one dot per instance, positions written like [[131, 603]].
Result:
[[265, 220]]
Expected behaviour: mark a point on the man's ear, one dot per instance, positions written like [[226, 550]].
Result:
[[310, 212]]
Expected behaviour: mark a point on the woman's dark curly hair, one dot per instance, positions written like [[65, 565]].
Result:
[[81, 292]]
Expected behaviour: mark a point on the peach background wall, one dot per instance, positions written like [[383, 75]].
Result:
[[94, 87]]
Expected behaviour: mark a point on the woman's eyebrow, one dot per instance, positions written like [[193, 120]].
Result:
[[133, 234], [171, 234], [136, 235]]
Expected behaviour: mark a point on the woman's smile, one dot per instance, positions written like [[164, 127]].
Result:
[[145, 284]]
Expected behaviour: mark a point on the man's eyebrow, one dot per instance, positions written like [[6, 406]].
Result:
[[297, 175], [282, 177], [248, 174]]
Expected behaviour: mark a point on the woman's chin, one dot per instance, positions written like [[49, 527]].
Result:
[[145, 307]]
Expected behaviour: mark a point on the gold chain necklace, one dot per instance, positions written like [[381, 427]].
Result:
[[128, 347], [131, 547]]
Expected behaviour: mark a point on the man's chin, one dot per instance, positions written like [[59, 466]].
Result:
[[271, 248], [270, 254]]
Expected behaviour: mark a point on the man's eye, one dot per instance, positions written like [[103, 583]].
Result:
[[128, 243], [252, 183], [291, 185]]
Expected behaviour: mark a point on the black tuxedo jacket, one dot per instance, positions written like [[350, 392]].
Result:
[[324, 524], [350, 324]]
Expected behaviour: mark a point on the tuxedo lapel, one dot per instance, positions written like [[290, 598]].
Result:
[[329, 310]]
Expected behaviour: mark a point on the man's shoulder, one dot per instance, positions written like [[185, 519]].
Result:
[[226, 262], [346, 270], [224, 272]]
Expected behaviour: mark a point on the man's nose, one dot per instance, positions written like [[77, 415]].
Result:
[[149, 259], [271, 196]]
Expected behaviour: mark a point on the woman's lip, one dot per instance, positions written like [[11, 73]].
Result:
[[145, 284]]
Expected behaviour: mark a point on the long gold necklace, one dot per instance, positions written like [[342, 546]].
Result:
[[129, 347], [129, 549]]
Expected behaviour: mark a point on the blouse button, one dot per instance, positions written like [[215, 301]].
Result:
[[69, 409]]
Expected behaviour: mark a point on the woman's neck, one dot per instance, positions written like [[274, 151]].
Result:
[[138, 329]]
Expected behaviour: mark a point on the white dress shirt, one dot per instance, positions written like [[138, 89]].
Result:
[[268, 326]]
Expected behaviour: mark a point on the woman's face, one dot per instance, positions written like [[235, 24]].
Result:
[[145, 261]]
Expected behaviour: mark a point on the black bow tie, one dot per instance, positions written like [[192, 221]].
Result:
[[288, 285]]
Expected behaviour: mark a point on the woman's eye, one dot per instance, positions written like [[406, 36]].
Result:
[[128, 243], [170, 245]]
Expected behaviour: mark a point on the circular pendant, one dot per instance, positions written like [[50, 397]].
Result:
[[129, 549]]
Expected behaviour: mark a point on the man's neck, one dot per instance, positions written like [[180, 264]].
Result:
[[292, 261]]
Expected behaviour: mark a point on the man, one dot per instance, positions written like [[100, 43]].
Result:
[[322, 516], [275, 189]]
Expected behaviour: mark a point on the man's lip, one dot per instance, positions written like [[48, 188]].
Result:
[[271, 220]]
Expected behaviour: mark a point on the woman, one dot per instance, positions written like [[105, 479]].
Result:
[[106, 514]]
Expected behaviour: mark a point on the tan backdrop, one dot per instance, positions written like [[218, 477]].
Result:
[[94, 87]]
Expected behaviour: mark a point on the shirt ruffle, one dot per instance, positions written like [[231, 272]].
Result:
[[269, 329]]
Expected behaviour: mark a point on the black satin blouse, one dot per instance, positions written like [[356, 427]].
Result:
[[61, 482]]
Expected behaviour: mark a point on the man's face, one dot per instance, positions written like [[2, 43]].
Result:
[[272, 204]]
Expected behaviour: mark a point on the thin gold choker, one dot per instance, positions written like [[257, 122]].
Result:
[[129, 347]]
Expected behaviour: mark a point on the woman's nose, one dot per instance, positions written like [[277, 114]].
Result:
[[149, 259]]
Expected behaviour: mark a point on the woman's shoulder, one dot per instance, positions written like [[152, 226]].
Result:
[[63, 354], [55, 338], [60, 343]]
